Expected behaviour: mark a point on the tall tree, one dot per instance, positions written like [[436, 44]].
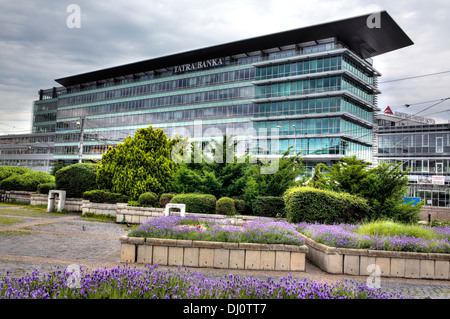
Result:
[[139, 164]]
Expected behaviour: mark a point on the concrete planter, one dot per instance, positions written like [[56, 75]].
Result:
[[391, 263], [201, 254]]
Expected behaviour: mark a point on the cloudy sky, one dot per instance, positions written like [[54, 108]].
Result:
[[36, 45]]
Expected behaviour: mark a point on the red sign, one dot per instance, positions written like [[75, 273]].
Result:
[[388, 111]]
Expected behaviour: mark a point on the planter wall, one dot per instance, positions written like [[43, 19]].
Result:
[[201, 254], [392, 263], [72, 204], [137, 215]]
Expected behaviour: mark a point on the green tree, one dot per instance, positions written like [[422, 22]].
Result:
[[286, 174], [383, 186], [139, 165]]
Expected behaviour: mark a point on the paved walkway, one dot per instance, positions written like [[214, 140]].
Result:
[[48, 242]]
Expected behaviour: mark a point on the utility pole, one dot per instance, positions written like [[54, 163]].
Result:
[[80, 143]]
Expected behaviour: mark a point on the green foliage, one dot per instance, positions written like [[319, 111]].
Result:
[[148, 199], [27, 181], [286, 175], [197, 203], [391, 228], [76, 179], [165, 199], [240, 205], [383, 186], [269, 206], [56, 167], [104, 196], [44, 188], [138, 165], [7, 171], [306, 204], [225, 206]]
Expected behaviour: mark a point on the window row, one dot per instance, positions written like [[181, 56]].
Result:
[[312, 146], [230, 111], [414, 143], [435, 166], [331, 125], [172, 100], [166, 86]]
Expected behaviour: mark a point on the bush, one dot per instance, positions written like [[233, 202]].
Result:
[[165, 199], [269, 206], [305, 204], [196, 203], [240, 205], [148, 199], [44, 188], [28, 181], [76, 179], [225, 206], [104, 196], [7, 171]]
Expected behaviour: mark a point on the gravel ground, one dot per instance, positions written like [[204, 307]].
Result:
[[58, 240]]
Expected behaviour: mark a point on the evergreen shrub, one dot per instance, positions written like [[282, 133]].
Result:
[[197, 203], [76, 179], [104, 196], [269, 206], [148, 199], [305, 204], [225, 206]]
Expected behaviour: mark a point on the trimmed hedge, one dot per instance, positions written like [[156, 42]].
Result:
[[241, 206], [148, 199], [225, 206], [44, 188], [196, 203], [269, 206], [28, 181], [305, 204], [105, 196], [7, 171], [165, 199], [76, 179]]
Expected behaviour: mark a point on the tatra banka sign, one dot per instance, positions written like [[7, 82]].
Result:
[[198, 65]]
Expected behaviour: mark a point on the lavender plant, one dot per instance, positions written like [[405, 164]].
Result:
[[261, 230], [151, 283], [350, 236]]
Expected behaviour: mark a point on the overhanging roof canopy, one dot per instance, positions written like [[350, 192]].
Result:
[[353, 32]]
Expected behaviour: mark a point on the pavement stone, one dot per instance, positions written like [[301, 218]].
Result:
[[57, 241]]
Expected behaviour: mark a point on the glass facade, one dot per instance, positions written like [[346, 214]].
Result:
[[320, 97], [423, 151]]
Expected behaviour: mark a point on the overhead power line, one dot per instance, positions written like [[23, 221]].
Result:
[[414, 77]]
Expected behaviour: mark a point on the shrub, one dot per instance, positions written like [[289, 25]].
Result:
[[104, 196], [225, 206], [28, 181], [76, 179], [240, 205], [148, 199], [305, 204], [7, 171], [44, 188], [196, 203], [269, 206], [165, 199]]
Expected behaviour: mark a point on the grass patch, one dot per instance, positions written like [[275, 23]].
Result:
[[99, 218], [390, 228], [8, 233], [6, 221]]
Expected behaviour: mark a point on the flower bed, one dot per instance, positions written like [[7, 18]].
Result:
[[261, 230], [344, 249], [349, 236], [150, 283], [261, 244]]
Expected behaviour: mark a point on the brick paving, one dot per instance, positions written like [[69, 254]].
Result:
[[57, 241]]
